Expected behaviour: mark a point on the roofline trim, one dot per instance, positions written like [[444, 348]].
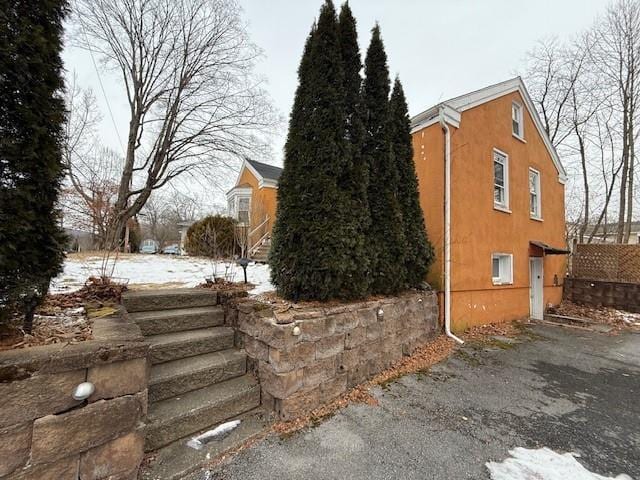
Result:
[[484, 95]]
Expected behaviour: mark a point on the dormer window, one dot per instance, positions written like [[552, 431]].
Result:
[[517, 125]]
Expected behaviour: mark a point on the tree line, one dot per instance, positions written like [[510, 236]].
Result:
[[349, 222], [587, 92]]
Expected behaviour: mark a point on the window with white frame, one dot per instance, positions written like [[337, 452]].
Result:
[[535, 205], [500, 180], [517, 125], [244, 203], [502, 268]]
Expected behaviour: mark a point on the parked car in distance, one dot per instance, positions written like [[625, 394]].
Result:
[[171, 249], [149, 246]]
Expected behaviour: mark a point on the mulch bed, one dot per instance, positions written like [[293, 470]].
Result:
[[65, 317], [220, 284]]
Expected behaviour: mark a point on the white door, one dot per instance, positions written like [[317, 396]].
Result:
[[536, 308]]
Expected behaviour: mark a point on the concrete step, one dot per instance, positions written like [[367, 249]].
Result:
[[149, 300], [178, 461], [156, 322], [173, 346], [175, 378], [177, 417]]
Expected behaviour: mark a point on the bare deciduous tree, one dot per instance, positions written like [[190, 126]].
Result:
[[586, 93], [616, 56], [89, 198], [187, 70]]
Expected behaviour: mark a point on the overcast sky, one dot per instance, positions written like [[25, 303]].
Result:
[[439, 49]]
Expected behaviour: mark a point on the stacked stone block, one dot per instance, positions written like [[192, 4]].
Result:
[[46, 434], [308, 356]]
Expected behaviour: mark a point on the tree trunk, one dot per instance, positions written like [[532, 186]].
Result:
[[625, 173], [627, 228], [585, 179]]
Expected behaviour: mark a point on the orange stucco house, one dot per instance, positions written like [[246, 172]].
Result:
[[253, 201], [504, 248], [506, 217]]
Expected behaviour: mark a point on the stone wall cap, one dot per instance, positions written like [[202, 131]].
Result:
[[115, 339]]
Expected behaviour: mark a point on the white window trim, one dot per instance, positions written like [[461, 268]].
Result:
[[520, 121], [499, 281], [503, 207], [539, 196], [234, 199]]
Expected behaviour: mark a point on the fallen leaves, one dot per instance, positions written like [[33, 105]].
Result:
[[423, 358], [604, 315], [62, 318]]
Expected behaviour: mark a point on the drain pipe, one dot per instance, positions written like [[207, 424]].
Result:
[[447, 226]]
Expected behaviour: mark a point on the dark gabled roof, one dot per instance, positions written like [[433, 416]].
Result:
[[268, 172]]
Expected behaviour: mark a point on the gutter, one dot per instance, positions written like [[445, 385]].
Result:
[[447, 226]]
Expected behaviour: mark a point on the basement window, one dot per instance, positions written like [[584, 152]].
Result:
[[502, 268]]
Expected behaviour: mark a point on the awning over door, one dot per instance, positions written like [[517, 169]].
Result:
[[548, 249]]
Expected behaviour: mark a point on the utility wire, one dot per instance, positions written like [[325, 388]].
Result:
[[104, 93]]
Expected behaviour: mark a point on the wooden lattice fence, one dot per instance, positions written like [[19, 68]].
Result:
[[613, 263]]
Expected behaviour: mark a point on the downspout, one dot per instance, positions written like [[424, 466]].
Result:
[[447, 226]]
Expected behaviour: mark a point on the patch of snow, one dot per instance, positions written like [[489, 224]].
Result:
[[543, 464], [158, 270], [628, 317]]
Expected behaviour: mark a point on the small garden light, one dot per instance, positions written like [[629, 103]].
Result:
[[380, 314], [83, 391], [244, 262]]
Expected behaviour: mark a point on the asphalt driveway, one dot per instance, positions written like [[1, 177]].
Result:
[[568, 390]]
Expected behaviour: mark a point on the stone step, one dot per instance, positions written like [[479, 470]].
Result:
[[173, 346], [149, 300], [177, 417], [177, 461], [177, 377], [156, 322]]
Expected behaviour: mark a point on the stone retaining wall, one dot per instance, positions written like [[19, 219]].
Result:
[[46, 434], [308, 356], [625, 296]]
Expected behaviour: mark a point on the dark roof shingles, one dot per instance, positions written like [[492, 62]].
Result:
[[268, 172]]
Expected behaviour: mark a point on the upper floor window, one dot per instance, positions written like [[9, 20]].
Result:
[[535, 206], [244, 204], [500, 180], [517, 125]]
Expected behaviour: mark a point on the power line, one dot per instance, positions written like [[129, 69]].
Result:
[[104, 93]]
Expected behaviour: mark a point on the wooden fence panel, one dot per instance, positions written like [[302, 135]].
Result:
[[609, 262]]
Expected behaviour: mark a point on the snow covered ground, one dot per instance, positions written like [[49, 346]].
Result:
[[543, 464], [157, 271]]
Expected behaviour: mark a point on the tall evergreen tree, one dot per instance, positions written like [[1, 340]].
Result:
[[419, 251], [356, 175], [31, 117], [315, 234], [386, 233]]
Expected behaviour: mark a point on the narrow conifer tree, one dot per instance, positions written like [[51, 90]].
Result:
[[386, 233], [32, 113], [315, 233], [419, 251], [356, 175]]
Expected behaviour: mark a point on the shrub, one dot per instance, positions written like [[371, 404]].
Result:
[[213, 236]]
